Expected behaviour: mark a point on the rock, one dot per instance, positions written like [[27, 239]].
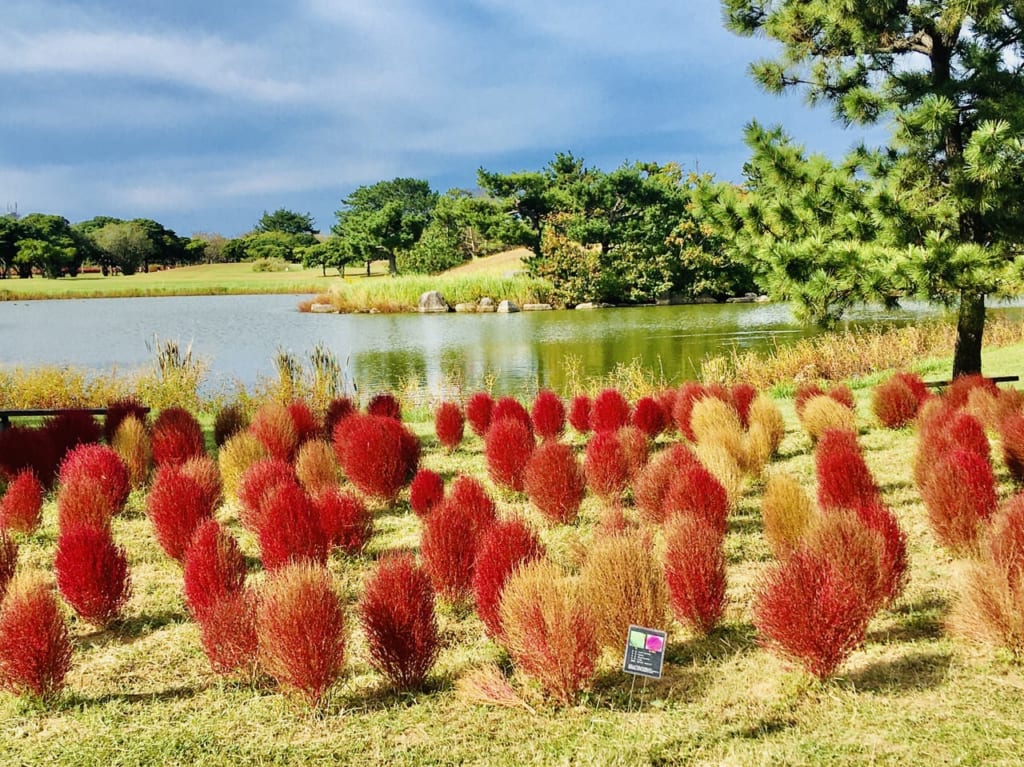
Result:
[[432, 302], [593, 305], [536, 307], [763, 299], [323, 309], [485, 301], [507, 307], [705, 300], [741, 300], [486, 308], [465, 308]]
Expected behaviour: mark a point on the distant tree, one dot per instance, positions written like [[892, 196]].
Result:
[[9, 235], [462, 227], [213, 246], [383, 219], [290, 222], [168, 247], [125, 246], [55, 231]]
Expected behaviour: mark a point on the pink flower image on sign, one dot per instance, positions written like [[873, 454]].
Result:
[[654, 643]]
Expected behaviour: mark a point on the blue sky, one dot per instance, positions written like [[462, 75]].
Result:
[[202, 115]]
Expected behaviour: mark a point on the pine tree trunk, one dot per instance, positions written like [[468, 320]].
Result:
[[969, 328]]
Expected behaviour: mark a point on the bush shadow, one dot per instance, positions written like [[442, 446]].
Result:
[[914, 672]]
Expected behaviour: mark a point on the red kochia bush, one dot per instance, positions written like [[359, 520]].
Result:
[[378, 454], [8, 561], [688, 395], [960, 495], [449, 425], [344, 519], [397, 615], [892, 560], [120, 409], [275, 429], [478, 412], [605, 465], [844, 480], [214, 568], [84, 501], [176, 505], [610, 411], [425, 492], [548, 415], [742, 395], [943, 430], [289, 528], [24, 448], [894, 403], [300, 630], [695, 573], [510, 407], [101, 463], [451, 536], [92, 573], [805, 392], [258, 480], [386, 405], [338, 409], [22, 503], [634, 449], [579, 413], [959, 390], [204, 471], [1011, 435], [808, 611], [916, 384], [35, 649], [505, 546], [71, 428], [695, 492], [649, 417], [841, 393], [306, 425], [653, 481], [507, 448], [554, 482], [228, 631], [176, 437]]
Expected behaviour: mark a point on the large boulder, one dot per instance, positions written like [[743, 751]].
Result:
[[432, 302], [507, 307]]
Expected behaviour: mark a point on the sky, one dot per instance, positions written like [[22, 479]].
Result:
[[203, 114]]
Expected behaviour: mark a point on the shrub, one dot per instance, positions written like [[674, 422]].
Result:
[[257, 482], [451, 537], [916, 384], [1011, 435], [807, 611], [24, 448], [316, 467], [101, 463], [610, 411], [176, 506], [848, 544], [507, 448], [554, 482], [695, 573], [176, 436], [379, 455], [289, 528], [425, 492], [228, 422], [234, 459], [344, 519], [742, 396], [943, 430], [623, 584], [386, 405], [579, 413], [605, 467], [548, 630], [653, 481], [787, 513], [894, 403], [300, 630], [228, 631], [71, 428], [397, 615], [306, 425], [478, 412], [131, 443], [823, 413], [841, 393], [713, 420], [892, 559], [21, 506], [667, 399], [844, 480], [449, 425], [204, 471], [688, 394], [84, 501], [505, 546], [634, 450], [766, 430], [338, 409], [511, 408], [215, 568], [960, 495], [118, 411], [695, 492], [273, 426], [35, 649], [958, 392], [805, 392], [92, 573], [8, 561], [649, 417], [548, 415]]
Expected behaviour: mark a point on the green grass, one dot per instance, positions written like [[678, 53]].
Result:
[[142, 693]]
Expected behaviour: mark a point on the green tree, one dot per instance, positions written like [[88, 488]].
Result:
[[51, 259], [947, 75], [383, 219], [288, 221], [63, 256], [462, 227], [125, 246], [10, 232]]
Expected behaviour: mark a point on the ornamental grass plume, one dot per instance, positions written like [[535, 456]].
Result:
[[227, 629], [507, 449], [425, 492], [21, 505], [118, 411], [579, 413], [316, 466], [234, 459], [844, 479], [289, 528], [554, 482], [478, 412], [273, 426], [960, 496], [649, 417], [822, 413], [300, 630], [378, 454], [622, 583], [229, 421], [504, 547], [176, 436], [397, 615], [92, 573], [548, 415], [214, 568], [452, 535], [449, 425], [787, 513], [176, 506], [605, 466], [549, 630], [131, 442], [609, 412], [695, 573], [386, 405], [35, 648], [344, 519]]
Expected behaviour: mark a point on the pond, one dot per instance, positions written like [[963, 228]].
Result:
[[239, 335]]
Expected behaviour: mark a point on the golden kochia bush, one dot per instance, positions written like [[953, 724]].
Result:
[[131, 443], [787, 512], [549, 629], [316, 466], [240, 452], [765, 431], [822, 413]]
